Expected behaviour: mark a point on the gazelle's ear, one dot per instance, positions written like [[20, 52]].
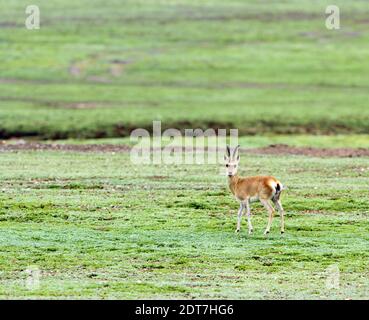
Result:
[[228, 151], [235, 151]]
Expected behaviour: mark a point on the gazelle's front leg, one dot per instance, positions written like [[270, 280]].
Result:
[[239, 217], [270, 209], [247, 203]]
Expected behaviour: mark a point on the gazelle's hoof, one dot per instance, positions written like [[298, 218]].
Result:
[[282, 231], [237, 231], [251, 231], [266, 232]]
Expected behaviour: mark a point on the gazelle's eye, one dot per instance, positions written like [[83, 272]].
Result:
[[227, 165]]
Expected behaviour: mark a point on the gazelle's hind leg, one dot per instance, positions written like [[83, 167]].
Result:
[[279, 207], [270, 209]]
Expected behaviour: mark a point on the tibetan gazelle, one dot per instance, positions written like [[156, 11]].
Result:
[[250, 189]]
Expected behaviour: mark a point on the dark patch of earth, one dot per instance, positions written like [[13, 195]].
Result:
[[276, 149], [310, 151]]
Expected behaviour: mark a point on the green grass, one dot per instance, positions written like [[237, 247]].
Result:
[[96, 70], [98, 226]]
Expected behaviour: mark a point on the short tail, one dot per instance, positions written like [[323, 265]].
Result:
[[278, 189]]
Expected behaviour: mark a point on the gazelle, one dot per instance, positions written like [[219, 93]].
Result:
[[250, 189]]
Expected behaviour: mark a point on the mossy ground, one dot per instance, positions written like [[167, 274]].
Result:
[[98, 69], [97, 226]]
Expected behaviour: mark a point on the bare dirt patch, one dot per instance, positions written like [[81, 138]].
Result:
[[277, 149], [75, 70], [117, 66], [35, 146], [9, 24]]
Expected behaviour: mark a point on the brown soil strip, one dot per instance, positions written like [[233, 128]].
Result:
[[278, 149], [192, 15], [75, 70], [34, 146], [9, 24], [117, 68]]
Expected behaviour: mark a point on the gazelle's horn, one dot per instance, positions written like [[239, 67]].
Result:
[[228, 151], [235, 152]]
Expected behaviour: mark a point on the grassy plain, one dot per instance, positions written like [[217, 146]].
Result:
[[97, 70], [97, 226]]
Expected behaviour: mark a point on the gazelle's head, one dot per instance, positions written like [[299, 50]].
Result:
[[231, 161]]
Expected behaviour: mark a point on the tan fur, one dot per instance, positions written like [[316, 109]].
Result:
[[250, 189]]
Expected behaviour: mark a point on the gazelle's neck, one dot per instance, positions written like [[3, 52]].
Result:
[[232, 181]]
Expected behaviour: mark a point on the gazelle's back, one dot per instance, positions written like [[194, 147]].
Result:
[[257, 187]]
